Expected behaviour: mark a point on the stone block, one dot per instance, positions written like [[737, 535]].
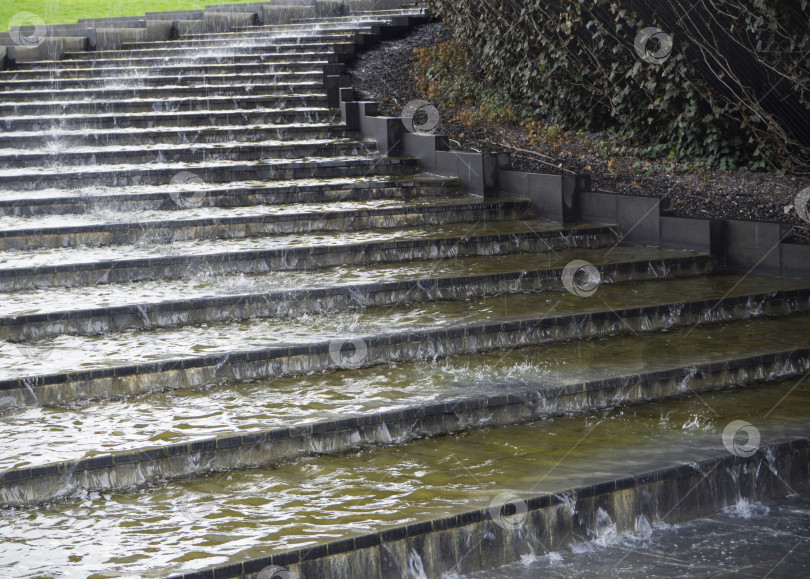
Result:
[[227, 21], [49, 49], [754, 247], [795, 260], [113, 38], [282, 14]]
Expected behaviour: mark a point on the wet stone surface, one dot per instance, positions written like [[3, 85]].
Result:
[[745, 540]]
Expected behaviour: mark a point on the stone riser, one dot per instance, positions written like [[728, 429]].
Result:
[[127, 469], [187, 52], [291, 44], [135, 175], [145, 58], [383, 349], [188, 154], [281, 98], [182, 267], [184, 135], [474, 541], [232, 57], [166, 69], [232, 198], [209, 112], [320, 301], [72, 101], [262, 261], [241, 227], [262, 77]]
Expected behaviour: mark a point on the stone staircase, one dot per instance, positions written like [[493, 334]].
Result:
[[235, 335]]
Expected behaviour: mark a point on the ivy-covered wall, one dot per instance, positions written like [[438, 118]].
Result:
[[724, 80]]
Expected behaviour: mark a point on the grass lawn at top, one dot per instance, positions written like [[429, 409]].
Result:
[[69, 11]]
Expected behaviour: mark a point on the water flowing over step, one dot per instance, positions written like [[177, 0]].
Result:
[[261, 512], [244, 337]]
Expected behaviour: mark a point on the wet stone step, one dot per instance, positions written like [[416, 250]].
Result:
[[285, 98], [183, 415], [29, 140], [103, 95], [69, 99], [209, 171], [253, 47], [194, 112], [102, 471], [304, 32], [260, 512], [198, 57], [135, 362], [170, 229], [103, 200], [79, 156], [176, 69], [304, 301], [88, 266], [319, 43], [224, 78], [506, 267]]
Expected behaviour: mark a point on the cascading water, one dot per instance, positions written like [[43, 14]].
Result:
[[226, 316]]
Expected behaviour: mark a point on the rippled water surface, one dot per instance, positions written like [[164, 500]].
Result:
[[188, 525]]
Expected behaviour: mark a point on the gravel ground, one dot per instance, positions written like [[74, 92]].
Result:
[[384, 75]]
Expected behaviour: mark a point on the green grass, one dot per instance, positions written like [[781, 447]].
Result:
[[69, 11]]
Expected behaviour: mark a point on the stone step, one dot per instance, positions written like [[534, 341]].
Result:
[[30, 140], [227, 195], [123, 96], [194, 112], [294, 294], [302, 31], [82, 156], [209, 171], [28, 234], [62, 369], [268, 55], [90, 266], [280, 98], [47, 300], [177, 69], [310, 77], [320, 43], [186, 415], [186, 423]]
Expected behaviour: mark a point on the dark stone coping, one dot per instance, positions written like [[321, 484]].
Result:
[[247, 219], [534, 503], [352, 423], [252, 255], [407, 182], [319, 348], [305, 295]]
